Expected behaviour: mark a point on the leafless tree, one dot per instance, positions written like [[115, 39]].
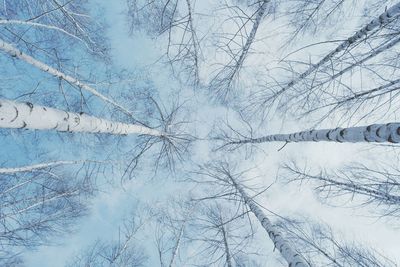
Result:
[[378, 188], [311, 16], [174, 20], [331, 77], [124, 252], [223, 239], [376, 133], [172, 229], [40, 202], [237, 45], [229, 184], [322, 247], [42, 22]]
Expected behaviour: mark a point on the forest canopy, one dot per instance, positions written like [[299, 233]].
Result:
[[199, 133]]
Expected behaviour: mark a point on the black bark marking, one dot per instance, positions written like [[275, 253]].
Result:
[[327, 135], [16, 114], [377, 132], [23, 125], [341, 133], [30, 105]]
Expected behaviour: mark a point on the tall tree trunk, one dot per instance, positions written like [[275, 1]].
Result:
[[249, 41], [389, 132], [35, 24], [376, 52], [28, 116], [195, 48], [381, 90], [222, 82], [177, 244], [292, 257], [374, 24], [37, 166], [14, 52]]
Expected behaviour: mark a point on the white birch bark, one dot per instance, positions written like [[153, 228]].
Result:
[[194, 40], [376, 23], [43, 200], [358, 63], [177, 244], [250, 40], [14, 52], [360, 189], [222, 82], [37, 166], [389, 132], [383, 89], [292, 257], [28, 116], [35, 24]]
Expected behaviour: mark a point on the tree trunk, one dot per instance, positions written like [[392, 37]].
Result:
[[222, 82], [374, 190], [249, 40], [194, 40], [177, 244], [358, 63], [292, 257], [35, 24], [374, 24], [389, 132], [37, 166], [14, 52], [28, 116]]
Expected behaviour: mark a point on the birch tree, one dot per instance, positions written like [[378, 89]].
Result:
[[47, 20], [222, 175], [237, 50], [223, 239], [40, 202], [308, 87], [172, 221], [376, 188], [376, 133], [30, 116], [175, 22], [387, 16], [309, 16], [123, 251], [322, 247], [14, 52]]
